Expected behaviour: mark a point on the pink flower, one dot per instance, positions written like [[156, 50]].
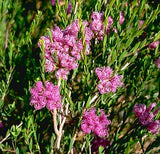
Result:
[[69, 8], [97, 16], [156, 111], [109, 24], [108, 83], [86, 127], [38, 102], [153, 45], [139, 109], [110, 21], [57, 34], [154, 126], [96, 25], [104, 87], [140, 23], [62, 73], [115, 30], [104, 72], [54, 2], [152, 105], [103, 118], [76, 51], [116, 82], [157, 62], [121, 20], [88, 34], [146, 117], [70, 40], [47, 42], [49, 66], [72, 29], [52, 105], [67, 61], [100, 130]]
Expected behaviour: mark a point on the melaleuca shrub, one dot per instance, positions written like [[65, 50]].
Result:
[[87, 85]]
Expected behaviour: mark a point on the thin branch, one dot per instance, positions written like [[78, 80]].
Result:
[[60, 132], [90, 148], [62, 124], [84, 143], [59, 83], [93, 99], [5, 138], [13, 146], [6, 39], [76, 8], [9, 150], [54, 113], [67, 106]]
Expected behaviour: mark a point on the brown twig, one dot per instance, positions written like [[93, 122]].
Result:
[[54, 113], [84, 143], [6, 39], [73, 140], [93, 99], [59, 131], [13, 146]]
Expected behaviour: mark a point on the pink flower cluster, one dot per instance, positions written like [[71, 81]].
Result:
[[64, 48], [96, 124], [108, 82], [45, 96], [97, 25], [146, 117], [97, 142]]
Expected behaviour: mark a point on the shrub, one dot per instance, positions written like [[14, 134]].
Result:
[[77, 76]]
